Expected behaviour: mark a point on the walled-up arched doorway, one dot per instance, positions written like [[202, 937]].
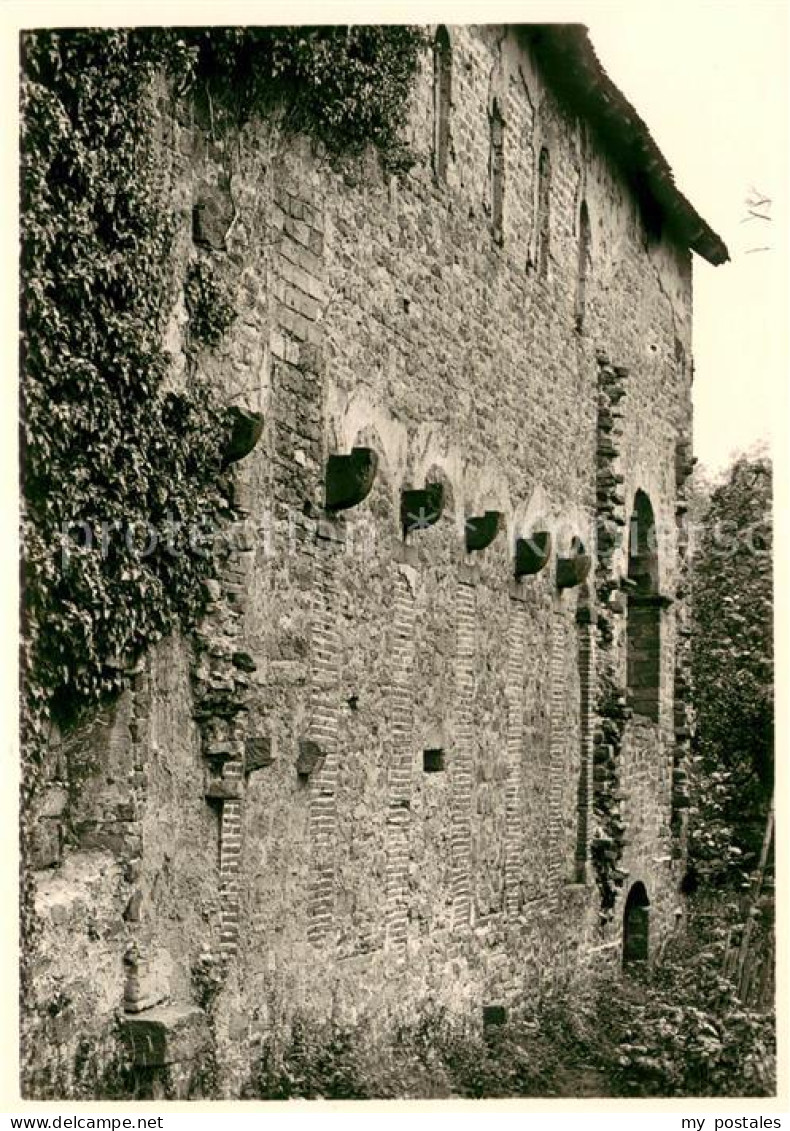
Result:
[[636, 927], [644, 612]]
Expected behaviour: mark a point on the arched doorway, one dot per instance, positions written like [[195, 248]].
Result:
[[636, 927]]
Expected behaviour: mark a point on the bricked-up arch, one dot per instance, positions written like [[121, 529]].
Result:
[[636, 926], [544, 211], [497, 166], [583, 265], [644, 612], [442, 100], [585, 644]]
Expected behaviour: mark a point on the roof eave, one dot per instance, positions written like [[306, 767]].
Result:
[[567, 57]]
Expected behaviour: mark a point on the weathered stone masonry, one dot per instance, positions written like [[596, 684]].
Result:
[[399, 763]]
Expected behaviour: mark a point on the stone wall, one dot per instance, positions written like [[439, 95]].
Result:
[[396, 801]]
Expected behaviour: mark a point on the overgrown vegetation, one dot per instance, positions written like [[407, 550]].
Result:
[[680, 1032], [104, 449], [211, 314], [690, 1034], [107, 455], [730, 830], [606, 849], [732, 650], [111, 455], [348, 86], [116, 469]]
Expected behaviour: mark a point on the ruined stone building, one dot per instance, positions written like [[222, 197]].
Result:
[[428, 742]]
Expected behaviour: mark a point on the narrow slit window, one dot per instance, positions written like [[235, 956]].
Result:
[[644, 612], [544, 210], [497, 173], [584, 265], [442, 97]]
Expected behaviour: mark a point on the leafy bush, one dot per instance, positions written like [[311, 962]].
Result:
[[210, 313], [692, 1036], [679, 1032], [101, 443], [732, 656], [104, 448], [348, 86], [109, 455]]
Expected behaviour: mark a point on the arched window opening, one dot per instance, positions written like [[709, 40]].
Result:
[[584, 265], [544, 217], [442, 97], [644, 612], [497, 162], [650, 211], [636, 927]]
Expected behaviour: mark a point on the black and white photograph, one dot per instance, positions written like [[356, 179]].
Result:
[[397, 411]]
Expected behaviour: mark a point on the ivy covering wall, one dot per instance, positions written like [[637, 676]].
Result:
[[109, 452], [102, 444]]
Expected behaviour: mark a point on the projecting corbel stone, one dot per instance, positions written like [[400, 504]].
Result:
[[350, 478], [422, 508], [573, 570], [532, 553], [244, 430], [257, 754], [311, 757], [481, 530], [224, 789]]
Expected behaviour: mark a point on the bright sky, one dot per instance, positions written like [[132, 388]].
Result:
[[710, 81]]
